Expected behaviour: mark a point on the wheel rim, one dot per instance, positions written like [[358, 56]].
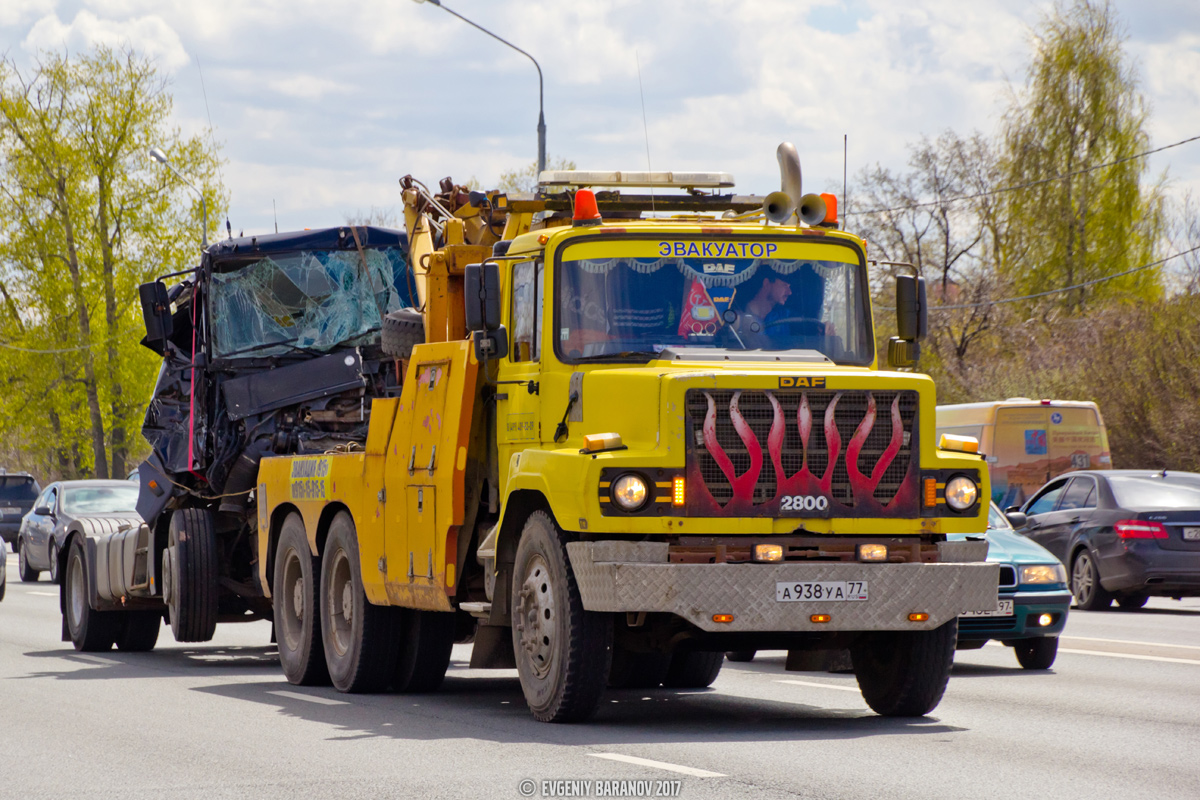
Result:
[[1081, 579], [537, 617], [21, 558], [340, 603], [54, 562], [75, 592], [292, 599]]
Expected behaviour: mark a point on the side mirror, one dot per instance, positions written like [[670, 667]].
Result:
[[156, 311], [42, 511], [1016, 518], [481, 296], [912, 311], [491, 344]]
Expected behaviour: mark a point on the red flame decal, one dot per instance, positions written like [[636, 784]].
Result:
[[743, 485], [833, 441]]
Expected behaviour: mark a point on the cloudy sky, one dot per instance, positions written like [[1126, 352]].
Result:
[[320, 106]]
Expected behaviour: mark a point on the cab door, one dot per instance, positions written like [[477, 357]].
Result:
[[519, 421]]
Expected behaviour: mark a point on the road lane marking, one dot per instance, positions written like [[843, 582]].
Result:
[[108, 662], [646, 762], [1130, 641], [324, 701], [44, 594], [1130, 655], [854, 689]]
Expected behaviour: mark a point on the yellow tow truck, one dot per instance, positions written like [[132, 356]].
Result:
[[634, 431]]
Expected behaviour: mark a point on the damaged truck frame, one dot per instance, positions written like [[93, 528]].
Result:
[[605, 436]]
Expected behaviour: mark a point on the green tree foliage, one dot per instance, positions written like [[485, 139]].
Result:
[[525, 178], [85, 217], [1079, 109]]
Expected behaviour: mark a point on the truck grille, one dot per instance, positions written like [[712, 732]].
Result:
[[767, 452]]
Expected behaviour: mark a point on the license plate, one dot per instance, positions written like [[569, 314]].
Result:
[[1191, 534], [10, 510], [1004, 608], [837, 591]]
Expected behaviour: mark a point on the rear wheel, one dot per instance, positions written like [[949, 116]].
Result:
[[297, 598], [904, 673], [425, 643], [28, 573], [740, 656], [632, 670], [360, 639], [693, 670], [1037, 653], [190, 575], [563, 652], [138, 631], [90, 630], [1085, 584], [1132, 602]]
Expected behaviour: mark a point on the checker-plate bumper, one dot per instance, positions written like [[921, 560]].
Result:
[[625, 576]]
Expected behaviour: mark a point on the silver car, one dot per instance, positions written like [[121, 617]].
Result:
[[57, 509]]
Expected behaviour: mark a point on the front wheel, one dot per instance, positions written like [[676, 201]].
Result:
[[28, 573], [904, 673], [1085, 584], [190, 575], [563, 652], [54, 562], [1037, 653], [90, 630]]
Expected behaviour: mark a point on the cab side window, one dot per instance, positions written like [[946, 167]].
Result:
[[526, 310], [1046, 501], [1080, 494]]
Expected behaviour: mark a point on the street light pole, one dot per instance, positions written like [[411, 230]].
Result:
[[541, 126], [158, 155]]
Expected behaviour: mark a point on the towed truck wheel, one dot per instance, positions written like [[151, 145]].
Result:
[[297, 599], [138, 632], [563, 652], [904, 673], [360, 639], [425, 645], [189, 571], [693, 670], [90, 630]]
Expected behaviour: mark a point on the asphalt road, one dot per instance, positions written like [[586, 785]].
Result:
[[1117, 717]]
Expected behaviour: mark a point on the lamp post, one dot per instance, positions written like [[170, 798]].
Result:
[[541, 126], [158, 155]]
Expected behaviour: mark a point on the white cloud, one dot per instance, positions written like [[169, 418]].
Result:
[[150, 35], [14, 12]]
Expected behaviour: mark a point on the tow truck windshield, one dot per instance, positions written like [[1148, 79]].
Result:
[[617, 298]]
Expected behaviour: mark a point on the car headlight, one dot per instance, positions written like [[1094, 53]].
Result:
[[961, 493], [1044, 573], [630, 492]]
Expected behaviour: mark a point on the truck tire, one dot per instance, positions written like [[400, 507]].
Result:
[[904, 673], [296, 608], [1085, 584], [740, 656], [563, 652], [360, 639], [693, 669], [632, 670], [426, 639], [190, 575], [401, 330], [138, 631], [91, 631], [1037, 653], [28, 574]]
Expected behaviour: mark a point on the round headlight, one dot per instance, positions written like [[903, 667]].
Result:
[[629, 492], [961, 493]]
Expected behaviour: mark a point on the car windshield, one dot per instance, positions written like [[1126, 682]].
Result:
[[628, 298], [18, 489], [309, 300], [82, 500], [1154, 492]]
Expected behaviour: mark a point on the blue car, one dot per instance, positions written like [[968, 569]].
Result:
[[1032, 606]]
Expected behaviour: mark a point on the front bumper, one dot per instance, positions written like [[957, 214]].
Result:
[[633, 577], [1027, 607]]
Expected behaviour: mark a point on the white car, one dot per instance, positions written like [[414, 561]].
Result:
[[3, 568]]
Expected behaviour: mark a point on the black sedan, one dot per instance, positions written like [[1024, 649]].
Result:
[[1124, 535], [59, 507]]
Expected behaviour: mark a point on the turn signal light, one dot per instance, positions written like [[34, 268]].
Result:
[[768, 552], [598, 442], [872, 552], [918, 616], [820, 618], [1140, 529], [722, 617], [678, 492], [930, 492], [963, 444]]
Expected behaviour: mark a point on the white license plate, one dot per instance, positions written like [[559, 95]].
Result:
[[1191, 534], [10, 510], [837, 591], [1004, 608]]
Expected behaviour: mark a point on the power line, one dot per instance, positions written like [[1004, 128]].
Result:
[[1005, 189], [1066, 288]]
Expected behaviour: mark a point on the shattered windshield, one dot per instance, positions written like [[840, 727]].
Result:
[[622, 298], [309, 300]]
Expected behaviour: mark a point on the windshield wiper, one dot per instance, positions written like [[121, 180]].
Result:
[[289, 345], [623, 355]]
